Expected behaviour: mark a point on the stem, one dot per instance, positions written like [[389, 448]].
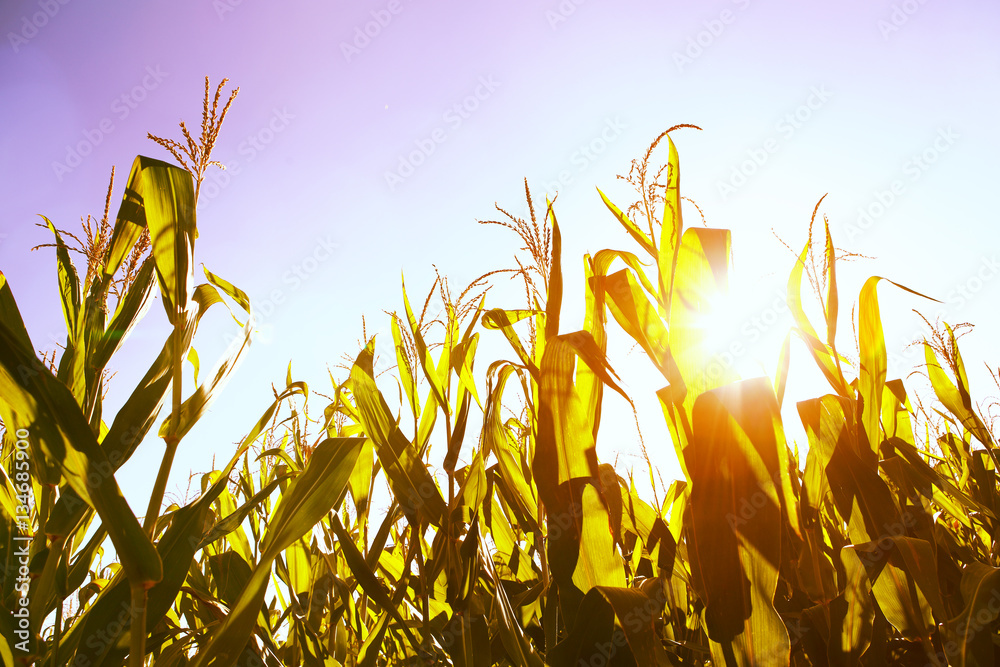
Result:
[[467, 626], [44, 507], [156, 499], [57, 633], [541, 545], [171, 439], [137, 646], [363, 519], [137, 652], [451, 473], [424, 594]]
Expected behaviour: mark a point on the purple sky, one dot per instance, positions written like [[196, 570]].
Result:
[[853, 99]]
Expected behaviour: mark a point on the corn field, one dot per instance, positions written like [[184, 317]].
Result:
[[874, 543]]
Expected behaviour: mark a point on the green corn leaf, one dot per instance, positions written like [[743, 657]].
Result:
[[956, 399], [177, 547], [860, 496], [411, 483], [372, 647], [69, 284], [970, 632], [738, 472], [566, 448], [195, 405], [403, 367], [464, 357], [231, 574], [35, 400], [73, 363], [638, 317], [233, 521], [130, 221], [595, 319], [166, 193], [815, 568], [11, 317], [640, 236], [671, 239], [852, 614], [503, 321], [905, 584], [781, 372], [873, 360], [127, 314], [593, 638], [896, 411], [496, 438], [825, 358], [366, 578], [298, 569], [553, 300], [832, 303], [930, 482], [457, 435], [598, 562], [361, 479], [424, 356], [306, 500], [871, 340], [512, 637], [138, 414]]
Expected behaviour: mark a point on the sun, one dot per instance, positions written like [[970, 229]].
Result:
[[742, 330]]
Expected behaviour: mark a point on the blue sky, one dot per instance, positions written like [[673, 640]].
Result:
[[369, 137]]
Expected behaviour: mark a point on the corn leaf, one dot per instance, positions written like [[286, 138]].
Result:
[[640, 236], [734, 520], [308, 498], [35, 400], [412, 485], [672, 236]]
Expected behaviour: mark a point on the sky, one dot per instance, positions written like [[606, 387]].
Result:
[[369, 137]]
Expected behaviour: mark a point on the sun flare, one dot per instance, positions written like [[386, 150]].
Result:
[[742, 331]]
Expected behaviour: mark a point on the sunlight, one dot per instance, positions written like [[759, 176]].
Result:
[[743, 329]]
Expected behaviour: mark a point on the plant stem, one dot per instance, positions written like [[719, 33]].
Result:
[[424, 593], [171, 439], [57, 633], [137, 651], [451, 473], [137, 645], [159, 487]]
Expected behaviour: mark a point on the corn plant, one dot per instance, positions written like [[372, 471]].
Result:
[[504, 539], [62, 500]]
